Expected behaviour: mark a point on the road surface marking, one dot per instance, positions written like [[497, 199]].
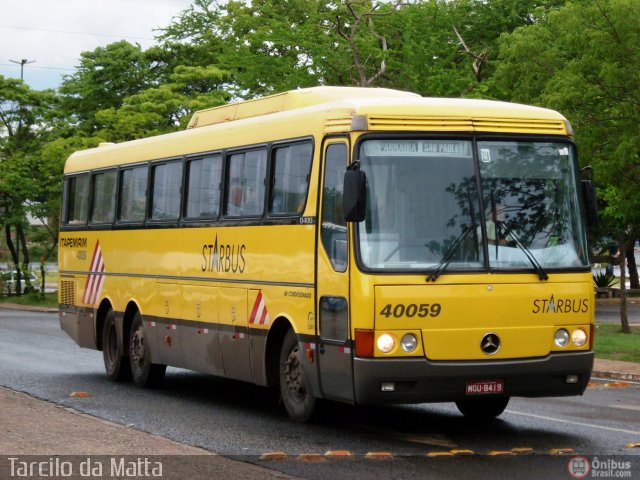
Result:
[[626, 407], [582, 424]]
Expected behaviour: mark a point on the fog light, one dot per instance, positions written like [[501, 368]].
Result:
[[409, 343], [579, 337], [387, 387], [572, 379], [562, 338], [386, 343]]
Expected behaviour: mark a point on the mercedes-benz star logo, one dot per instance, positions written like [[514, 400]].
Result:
[[490, 343]]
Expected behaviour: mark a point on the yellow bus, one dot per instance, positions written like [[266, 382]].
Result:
[[368, 246]]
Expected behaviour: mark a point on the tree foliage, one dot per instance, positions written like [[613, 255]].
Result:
[[25, 180]]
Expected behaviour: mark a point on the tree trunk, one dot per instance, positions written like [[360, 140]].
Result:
[[634, 282], [42, 274], [25, 258], [15, 256], [624, 320]]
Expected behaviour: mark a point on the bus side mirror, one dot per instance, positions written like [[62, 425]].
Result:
[[354, 199]]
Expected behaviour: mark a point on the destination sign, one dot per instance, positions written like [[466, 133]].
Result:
[[417, 148]]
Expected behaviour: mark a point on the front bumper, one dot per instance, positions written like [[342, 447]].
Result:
[[420, 380]]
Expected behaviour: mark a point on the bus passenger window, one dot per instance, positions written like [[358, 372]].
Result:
[[167, 178], [77, 195], [245, 187], [290, 179], [334, 226], [77, 206], [203, 187], [133, 194], [103, 204]]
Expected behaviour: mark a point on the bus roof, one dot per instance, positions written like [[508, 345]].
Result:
[[290, 100], [322, 110]]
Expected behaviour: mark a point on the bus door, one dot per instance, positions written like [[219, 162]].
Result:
[[334, 349], [234, 333]]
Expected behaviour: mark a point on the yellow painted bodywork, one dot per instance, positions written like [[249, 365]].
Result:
[[173, 273]]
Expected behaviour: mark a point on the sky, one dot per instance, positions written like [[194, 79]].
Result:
[[53, 33]]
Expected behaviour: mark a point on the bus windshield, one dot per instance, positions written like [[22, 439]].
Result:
[[435, 203]]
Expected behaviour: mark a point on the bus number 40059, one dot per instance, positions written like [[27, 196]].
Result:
[[411, 310]]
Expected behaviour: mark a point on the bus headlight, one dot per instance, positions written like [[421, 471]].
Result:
[[409, 343], [561, 338], [579, 337], [386, 343]]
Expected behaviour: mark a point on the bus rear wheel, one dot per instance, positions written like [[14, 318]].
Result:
[[144, 373], [116, 363], [296, 395], [482, 408]]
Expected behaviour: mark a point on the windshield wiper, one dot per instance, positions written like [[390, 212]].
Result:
[[504, 233], [448, 256]]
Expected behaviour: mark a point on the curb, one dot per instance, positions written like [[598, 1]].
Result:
[[626, 377], [27, 308]]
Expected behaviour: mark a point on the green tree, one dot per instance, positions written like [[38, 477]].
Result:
[[24, 115], [450, 47], [104, 78], [273, 46], [165, 108]]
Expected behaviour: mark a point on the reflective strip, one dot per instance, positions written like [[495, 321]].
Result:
[[95, 280], [259, 314]]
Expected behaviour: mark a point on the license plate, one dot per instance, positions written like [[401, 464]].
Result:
[[485, 387]]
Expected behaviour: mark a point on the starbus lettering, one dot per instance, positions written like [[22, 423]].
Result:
[[223, 258], [560, 305]]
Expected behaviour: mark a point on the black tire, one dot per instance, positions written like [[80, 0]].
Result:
[[294, 389], [482, 408], [144, 373], [116, 363]]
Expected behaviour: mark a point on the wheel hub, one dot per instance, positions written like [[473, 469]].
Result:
[[137, 346], [293, 375]]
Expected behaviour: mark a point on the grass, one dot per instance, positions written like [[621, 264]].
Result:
[[50, 300], [612, 344]]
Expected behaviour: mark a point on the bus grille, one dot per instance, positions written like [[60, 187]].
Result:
[[67, 292]]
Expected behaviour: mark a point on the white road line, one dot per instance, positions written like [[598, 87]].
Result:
[[560, 420], [626, 407]]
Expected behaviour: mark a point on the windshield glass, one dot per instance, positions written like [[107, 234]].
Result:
[[530, 197], [421, 199], [425, 213]]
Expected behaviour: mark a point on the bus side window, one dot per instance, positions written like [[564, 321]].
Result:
[[246, 183], [203, 187], [334, 226], [103, 202], [76, 200], [167, 179], [291, 166], [133, 194]]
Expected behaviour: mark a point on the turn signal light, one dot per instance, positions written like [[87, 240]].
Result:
[[364, 343]]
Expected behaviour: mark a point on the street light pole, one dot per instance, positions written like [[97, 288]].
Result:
[[22, 63]]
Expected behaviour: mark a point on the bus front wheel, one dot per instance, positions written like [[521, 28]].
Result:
[[144, 373], [116, 363], [296, 395], [482, 408]]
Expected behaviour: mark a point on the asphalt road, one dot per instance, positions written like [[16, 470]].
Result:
[[243, 422], [610, 312]]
